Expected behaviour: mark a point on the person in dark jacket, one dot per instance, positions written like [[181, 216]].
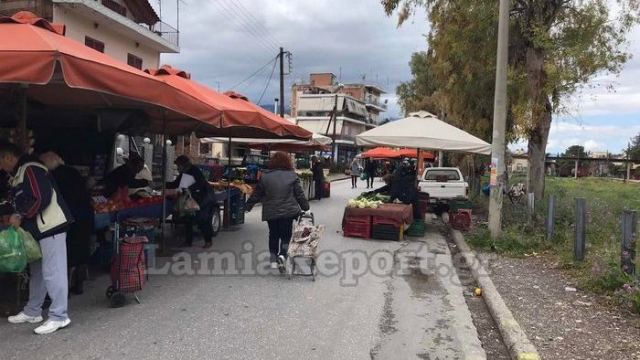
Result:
[[318, 177], [192, 179], [125, 176], [41, 211], [74, 190], [370, 169], [283, 200]]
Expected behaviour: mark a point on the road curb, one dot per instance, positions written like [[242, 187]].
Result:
[[520, 348], [339, 179]]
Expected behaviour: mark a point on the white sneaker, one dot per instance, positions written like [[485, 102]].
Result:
[[22, 318], [51, 326], [274, 265], [282, 264]]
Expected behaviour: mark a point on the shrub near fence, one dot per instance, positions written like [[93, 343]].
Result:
[[606, 201]]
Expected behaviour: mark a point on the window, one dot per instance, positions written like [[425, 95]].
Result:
[[442, 175], [94, 44], [134, 61]]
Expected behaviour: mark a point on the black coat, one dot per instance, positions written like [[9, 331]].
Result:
[[73, 189], [281, 195], [122, 176], [201, 190]]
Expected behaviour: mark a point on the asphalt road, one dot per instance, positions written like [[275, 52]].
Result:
[[372, 300]]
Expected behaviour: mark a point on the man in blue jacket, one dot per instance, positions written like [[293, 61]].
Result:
[[42, 212]]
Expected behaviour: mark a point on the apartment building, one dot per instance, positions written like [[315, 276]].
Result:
[[128, 30], [359, 108]]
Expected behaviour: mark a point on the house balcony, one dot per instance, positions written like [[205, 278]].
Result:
[[160, 36], [376, 104]]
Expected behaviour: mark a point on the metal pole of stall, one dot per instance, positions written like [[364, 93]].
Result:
[[164, 181], [23, 138], [229, 185]]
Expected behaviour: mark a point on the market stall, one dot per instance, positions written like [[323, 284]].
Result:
[[383, 221], [421, 131], [52, 86]]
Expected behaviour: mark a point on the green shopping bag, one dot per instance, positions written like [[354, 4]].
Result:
[[31, 246], [13, 257], [364, 176]]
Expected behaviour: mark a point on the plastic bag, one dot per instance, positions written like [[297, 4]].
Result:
[[31, 246], [364, 176], [13, 257], [186, 205]]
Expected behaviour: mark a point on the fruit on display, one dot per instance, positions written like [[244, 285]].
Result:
[[364, 203], [103, 205]]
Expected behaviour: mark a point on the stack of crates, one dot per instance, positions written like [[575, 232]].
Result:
[[423, 203], [357, 226], [417, 228], [460, 214], [384, 228], [237, 209]]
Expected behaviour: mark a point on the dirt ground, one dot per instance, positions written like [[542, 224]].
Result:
[[564, 324]]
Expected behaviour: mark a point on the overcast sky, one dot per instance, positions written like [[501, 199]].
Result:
[[225, 41]]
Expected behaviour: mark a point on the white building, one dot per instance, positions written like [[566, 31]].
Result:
[[358, 109], [127, 30]]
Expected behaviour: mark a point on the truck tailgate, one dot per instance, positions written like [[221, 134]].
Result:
[[444, 190]]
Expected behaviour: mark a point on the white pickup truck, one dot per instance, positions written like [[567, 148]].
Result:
[[443, 184]]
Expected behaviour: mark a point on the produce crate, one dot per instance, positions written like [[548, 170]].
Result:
[[379, 220], [461, 219], [237, 210], [458, 204], [362, 219], [357, 229], [417, 228], [423, 207], [387, 232], [326, 189]]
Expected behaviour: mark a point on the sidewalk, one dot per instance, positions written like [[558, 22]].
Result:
[[337, 177]]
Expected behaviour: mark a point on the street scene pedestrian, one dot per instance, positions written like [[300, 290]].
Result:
[[356, 170], [283, 200], [41, 211], [185, 179]]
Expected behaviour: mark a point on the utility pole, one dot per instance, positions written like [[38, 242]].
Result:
[[498, 168], [628, 176], [281, 55], [334, 146]]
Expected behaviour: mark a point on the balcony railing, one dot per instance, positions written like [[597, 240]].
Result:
[[114, 6], [376, 102], [167, 32]]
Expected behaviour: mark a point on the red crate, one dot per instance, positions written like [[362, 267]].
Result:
[[383, 220], [461, 220], [326, 189], [357, 229], [362, 219]]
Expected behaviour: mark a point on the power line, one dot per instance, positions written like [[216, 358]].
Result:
[[241, 20], [254, 73], [248, 14], [251, 21], [273, 69]]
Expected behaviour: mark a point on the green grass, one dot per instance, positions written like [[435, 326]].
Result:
[[606, 201]]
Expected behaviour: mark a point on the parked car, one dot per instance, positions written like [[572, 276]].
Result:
[[443, 184]]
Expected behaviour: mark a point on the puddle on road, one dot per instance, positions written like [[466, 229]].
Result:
[[420, 282]]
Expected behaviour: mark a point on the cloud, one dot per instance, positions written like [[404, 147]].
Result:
[[220, 42], [593, 137]]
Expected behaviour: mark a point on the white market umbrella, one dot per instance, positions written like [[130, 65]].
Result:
[[423, 130]]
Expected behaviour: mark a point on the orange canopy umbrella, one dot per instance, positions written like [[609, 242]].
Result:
[[57, 71], [284, 127], [380, 153], [413, 154], [239, 119]]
